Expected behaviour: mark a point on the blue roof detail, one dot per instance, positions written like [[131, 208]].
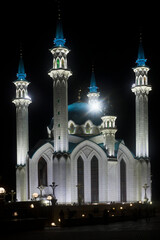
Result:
[[80, 112], [93, 88], [21, 75], [141, 58], [59, 39]]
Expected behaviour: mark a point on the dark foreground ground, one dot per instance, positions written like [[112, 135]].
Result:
[[130, 230]]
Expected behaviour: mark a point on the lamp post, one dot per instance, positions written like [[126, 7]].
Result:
[[145, 192], [53, 186], [2, 193], [12, 193]]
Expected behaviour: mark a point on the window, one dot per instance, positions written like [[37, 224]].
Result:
[[58, 113], [62, 61], [94, 180], [58, 63], [59, 125], [145, 80], [123, 181], [88, 128], [59, 137], [80, 179], [42, 172], [71, 128]]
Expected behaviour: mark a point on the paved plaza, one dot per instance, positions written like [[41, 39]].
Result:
[[127, 230]]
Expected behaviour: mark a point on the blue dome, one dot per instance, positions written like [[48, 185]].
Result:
[[80, 112]]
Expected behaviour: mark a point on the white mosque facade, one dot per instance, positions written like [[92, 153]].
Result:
[[81, 155]]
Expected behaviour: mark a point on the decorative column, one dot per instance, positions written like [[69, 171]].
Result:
[[141, 90], [22, 101], [60, 74]]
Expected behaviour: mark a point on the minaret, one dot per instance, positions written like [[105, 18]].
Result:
[[93, 94], [141, 90], [22, 101], [109, 129], [60, 74]]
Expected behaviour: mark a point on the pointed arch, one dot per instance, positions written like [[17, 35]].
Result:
[[62, 62], [58, 63], [140, 80], [54, 64], [71, 128], [145, 80], [57, 83], [94, 180], [23, 93], [42, 172], [123, 191], [80, 179], [64, 83], [88, 128]]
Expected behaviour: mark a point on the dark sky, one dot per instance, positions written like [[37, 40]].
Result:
[[97, 32]]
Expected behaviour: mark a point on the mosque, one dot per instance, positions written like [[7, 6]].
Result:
[[81, 155]]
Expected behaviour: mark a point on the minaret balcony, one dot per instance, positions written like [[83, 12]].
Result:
[[141, 89], [22, 101], [60, 72]]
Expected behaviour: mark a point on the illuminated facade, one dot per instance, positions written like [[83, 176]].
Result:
[[81, 154]]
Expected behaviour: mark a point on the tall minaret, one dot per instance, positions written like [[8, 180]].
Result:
[[22, 101], [93, 94], [60, 74], [141, 90]]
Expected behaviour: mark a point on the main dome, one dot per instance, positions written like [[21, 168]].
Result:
[[80, 112]]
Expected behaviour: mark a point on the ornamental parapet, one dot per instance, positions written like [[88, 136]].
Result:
[[61, 154], [145, 89], [59, 73], [146, 159], [20, 166], [19, 102]]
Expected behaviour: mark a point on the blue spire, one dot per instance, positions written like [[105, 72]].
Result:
[[21, 75], [59, 40], [141, 61], [93, 88]]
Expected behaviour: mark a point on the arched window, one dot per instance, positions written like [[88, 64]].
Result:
[[62, 63], [140, 80], [80, 179], [58, 63], [42, 172], [94, 180], [123, 181], [54, 63], [145, 80], [71, 128], [23, 93], [88, 128]]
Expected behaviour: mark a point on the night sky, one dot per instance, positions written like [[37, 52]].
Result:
[[97, 32]]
